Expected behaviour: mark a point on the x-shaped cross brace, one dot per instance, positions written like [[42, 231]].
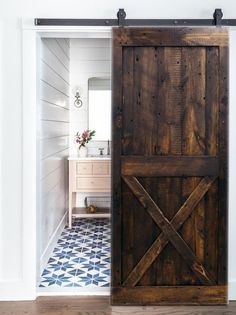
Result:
[[169, 231]]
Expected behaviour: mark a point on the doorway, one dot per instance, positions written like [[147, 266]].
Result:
[[73, 242]]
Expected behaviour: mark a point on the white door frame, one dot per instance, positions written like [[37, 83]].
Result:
[[30, 38]]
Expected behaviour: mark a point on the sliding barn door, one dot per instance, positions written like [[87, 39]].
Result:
[[169, 243]]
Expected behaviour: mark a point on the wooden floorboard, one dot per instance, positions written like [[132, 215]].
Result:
[[100, 306]]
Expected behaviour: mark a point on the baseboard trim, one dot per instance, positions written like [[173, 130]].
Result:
[[232, 291], [51, 245], [89, 291], [17, 291]]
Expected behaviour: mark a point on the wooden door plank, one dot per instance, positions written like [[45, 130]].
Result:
[[116, 168], [163, 36], [195, 131], [211, 137], [127, 148], [157, 215], [128, 97], [169, 116], [166, 295], [193, 141], [169, 166], [223, 168], [144, 139], [178, 220]]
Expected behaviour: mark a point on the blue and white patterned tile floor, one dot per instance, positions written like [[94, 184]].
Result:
[[81, 257]]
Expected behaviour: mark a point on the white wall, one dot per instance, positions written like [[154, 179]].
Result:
[[53, 140], [88, 58], [11, 12]]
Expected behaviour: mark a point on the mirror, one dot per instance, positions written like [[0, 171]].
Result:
[[99, 97]]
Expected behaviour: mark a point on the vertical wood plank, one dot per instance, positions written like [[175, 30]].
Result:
[[212, 123], [193, 139], [144, 136], [169, 143], [116, 164], [223, 156], [127, 148]]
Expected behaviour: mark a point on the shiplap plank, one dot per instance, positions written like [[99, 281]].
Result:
[[52, 179], [53, 137], [50, 164], [93, 42], [64, 47], [50, 94], [53, 200], [86, 53], [54, 46], [91, 66], [50, 76], [51, 147], [52, 129], [67, 40], [53, 112], [49, 58]]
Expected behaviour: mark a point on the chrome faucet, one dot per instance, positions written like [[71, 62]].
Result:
[[101, 151]]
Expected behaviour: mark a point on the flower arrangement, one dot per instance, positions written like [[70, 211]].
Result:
[[84, 138]]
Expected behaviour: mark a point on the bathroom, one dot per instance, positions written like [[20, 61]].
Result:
[[73, 177]]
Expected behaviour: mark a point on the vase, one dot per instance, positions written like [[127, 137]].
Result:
[[83, 151]]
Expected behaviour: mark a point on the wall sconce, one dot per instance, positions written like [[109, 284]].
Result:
[[78, 102]]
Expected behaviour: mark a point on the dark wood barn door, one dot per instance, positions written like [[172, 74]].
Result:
[[169, 243]]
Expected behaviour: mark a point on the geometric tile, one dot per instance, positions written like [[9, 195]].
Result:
[[81, 257]]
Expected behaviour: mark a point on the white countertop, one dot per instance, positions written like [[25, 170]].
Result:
[[88, 158]]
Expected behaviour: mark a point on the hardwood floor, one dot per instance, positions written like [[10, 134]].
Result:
[[100, 306]]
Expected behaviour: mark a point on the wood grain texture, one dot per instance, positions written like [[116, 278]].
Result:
[[167, 228], [178, 36], [194, 134], [180, 217], [129, 216], [168, 140], [193, 295], [212, 127], [100, 305], [173, 107], [116, 165], [170, 166], [223, 156]]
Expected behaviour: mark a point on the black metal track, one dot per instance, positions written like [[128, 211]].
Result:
[[132, 22], [121, 21]]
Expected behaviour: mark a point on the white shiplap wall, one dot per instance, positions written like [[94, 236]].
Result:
[[88, 58], [53, 141]]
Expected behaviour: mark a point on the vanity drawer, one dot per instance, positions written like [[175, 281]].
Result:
[[93, 183], [83, 168], [100, 168]]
